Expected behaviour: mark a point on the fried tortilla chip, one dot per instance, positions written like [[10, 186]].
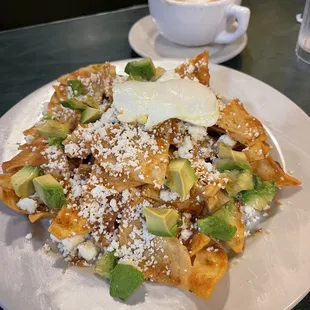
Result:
[[10, 199], [5, 180], [197, 243], [208, 268], [196, 67], [40, 216], [237, 242], [268, 169], [67, 224], [173, 263], [240, 125]]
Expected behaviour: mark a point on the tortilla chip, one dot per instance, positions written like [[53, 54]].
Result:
[[208, 268], [10, 199], [218, 200], [196, 67], [40, 216], [257, 151], [173, 263], [269, 170], [67, 224], [5, 180], [198, 242], [26, 156], [237, 242], [240, 125]]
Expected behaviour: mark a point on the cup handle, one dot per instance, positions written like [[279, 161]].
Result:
[[242, 14]]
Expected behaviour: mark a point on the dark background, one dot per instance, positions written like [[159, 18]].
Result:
[[20, 13]]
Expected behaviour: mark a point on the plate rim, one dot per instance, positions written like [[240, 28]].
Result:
[[176, 60]]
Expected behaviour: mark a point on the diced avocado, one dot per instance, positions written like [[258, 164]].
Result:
[[217, 225], [231, 160], [46, 117], [135, 78], [76, 86], [159, 72], [53, 128], [261, 195], [90, 115], [124, 280], [142, 119], [22, 180], [91, 102], [181, 177], [74, 104], [55, 141], [238, 181], [49, 191], [143, 68], [161, 222], [105, 265]]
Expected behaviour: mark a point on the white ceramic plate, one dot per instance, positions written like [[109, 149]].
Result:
[[146, 41], [273, 273]]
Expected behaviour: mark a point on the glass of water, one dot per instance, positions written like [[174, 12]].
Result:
[[303, 43]]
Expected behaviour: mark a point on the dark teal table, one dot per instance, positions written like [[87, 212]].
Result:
[[31, 57]]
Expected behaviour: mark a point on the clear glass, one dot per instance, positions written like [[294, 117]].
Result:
[[303, 43]]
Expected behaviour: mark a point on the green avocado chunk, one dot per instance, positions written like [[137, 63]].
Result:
[[141, 69], [161, 222], [231, 160], [76, 86], [49, 191], [22, 180], [90, 115], [217, 225], [181, 177], [73, 104], [238, 181], [53, 128], [54, 141], [261, 195], [105, 265], [124, 280]]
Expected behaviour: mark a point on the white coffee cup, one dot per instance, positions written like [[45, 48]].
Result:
[[195, 24]]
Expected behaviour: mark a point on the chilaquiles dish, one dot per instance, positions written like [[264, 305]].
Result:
[[145, 176]]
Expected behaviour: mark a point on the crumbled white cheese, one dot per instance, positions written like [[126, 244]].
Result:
[[72, 242], [88, 250], [46, 248], [28, 236], [27, 204], [168, 195], [185, 150], [198, 133], [29, 139], [227, 140]]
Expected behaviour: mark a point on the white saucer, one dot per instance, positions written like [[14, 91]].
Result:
[[146, 41]]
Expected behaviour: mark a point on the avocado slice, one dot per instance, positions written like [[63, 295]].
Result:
[[181, 177], [54, 141], [261, 195], [231, 160], [238, 181], [53, 128], [74, 104], [105, 265], [91, 102], [90, 115], [143, 69], [22, 180], [161, 222], [49, 191], [217, 225], [76, 86], [124, 280]]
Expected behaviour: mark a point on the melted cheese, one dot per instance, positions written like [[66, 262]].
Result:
[[156, 102]]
